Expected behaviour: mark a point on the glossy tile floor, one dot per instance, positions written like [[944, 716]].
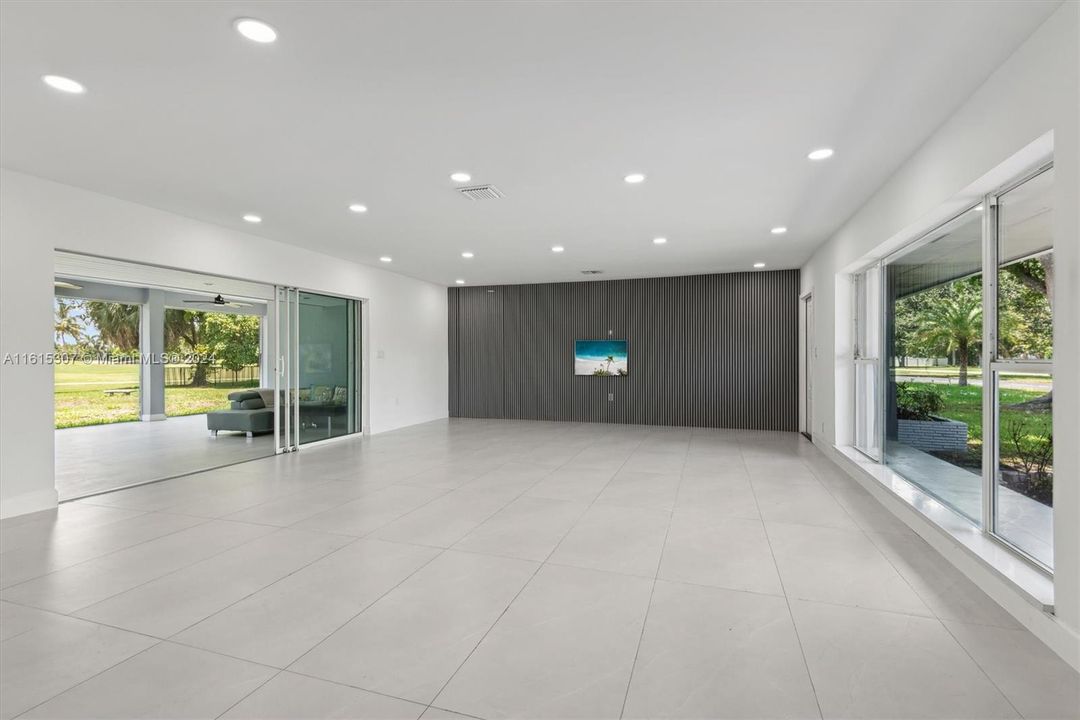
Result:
[[507, 569]]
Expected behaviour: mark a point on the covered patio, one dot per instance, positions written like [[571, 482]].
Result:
[[97, 458]]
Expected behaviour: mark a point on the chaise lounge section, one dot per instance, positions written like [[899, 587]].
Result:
[[247, 413]]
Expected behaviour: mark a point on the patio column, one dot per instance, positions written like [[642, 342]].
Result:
[[152, 347]]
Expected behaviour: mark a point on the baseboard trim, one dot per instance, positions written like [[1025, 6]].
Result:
[[29, 503]]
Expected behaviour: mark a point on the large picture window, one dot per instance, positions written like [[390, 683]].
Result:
[[953, 365], [1021, 506], [933, 341]]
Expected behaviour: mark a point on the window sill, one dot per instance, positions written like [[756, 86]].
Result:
[[1031, 583]]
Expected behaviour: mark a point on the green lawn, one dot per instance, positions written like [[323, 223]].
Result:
[[964, 404], [80, 397]]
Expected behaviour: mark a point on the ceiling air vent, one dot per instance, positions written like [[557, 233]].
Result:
[[481, 192], [591, 272]]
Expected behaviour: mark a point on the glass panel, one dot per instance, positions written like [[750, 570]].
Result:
[[1026, 270], [867, 352], [214, 355], [933, 332], [867, 417], [96, 382], [1025, 478], [326, 392], [868, 313], [283, 366]]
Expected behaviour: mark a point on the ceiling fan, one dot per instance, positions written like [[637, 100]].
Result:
[[220, 302]]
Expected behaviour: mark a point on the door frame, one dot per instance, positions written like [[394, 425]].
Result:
[[362, 380], [808, 351]]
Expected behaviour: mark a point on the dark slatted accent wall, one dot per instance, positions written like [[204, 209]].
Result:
[[705, 351]]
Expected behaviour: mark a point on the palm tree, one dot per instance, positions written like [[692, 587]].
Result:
[[955, 325], [66, 324], [117, 323], [610, 359]]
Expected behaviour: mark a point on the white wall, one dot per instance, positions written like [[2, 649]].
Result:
[[1034, 94], [407, 318]]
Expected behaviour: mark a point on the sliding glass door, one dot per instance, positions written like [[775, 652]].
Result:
[[318, 369], [328, 397], [961, 394]]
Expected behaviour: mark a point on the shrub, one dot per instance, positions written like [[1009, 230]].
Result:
[[918, 402]]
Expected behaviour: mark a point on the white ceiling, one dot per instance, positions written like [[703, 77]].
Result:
[[718, 103]]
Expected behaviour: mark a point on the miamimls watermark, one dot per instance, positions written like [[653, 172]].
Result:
[[66, 358]]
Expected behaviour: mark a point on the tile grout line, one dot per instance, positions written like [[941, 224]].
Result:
[[361, 611], [989, 679], [656, 575], [103, 555], [539, 567], [265, 587], [779, 575], [934, 615], [91, 677], [368, 535]]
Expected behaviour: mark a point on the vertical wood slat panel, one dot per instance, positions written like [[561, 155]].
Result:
[[705, 350]]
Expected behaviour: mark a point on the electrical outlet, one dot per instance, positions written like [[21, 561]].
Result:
[[611, 397]]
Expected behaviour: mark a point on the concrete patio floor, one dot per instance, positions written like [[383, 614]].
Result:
[[1026, 523], [103, 457]]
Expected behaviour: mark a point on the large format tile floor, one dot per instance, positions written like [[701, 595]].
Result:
[[507, 569]]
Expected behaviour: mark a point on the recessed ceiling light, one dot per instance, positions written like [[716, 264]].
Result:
[[778, 230], [252, 219], [466, 254], [634, 178], [820, 154], [461, 177], [459, 281], [255, 30], [63, 84], [659, 241], [358, 208], [557, 248], [386, 258], [759, 265]]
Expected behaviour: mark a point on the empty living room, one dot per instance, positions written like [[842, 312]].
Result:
[[541, 359]]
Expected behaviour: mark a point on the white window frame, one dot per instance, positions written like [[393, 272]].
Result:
[[991, 363]]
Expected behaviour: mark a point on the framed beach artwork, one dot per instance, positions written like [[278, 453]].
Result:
[[603, 358]]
